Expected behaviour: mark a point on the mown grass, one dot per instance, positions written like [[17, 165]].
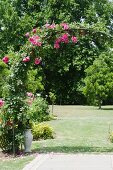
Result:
[[79, 129]]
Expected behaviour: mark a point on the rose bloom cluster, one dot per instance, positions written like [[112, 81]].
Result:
[[65, 39], [65, 26], [35, 40], [25, 60]]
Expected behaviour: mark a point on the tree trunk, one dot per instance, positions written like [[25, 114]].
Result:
[[52, 107], [100, 104]]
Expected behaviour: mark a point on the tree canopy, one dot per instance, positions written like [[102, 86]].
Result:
[[99, 79]]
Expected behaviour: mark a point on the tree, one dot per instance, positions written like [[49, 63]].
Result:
[[99, 79]]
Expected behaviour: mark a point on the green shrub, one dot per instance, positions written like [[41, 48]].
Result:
[[111, 137], [42, 131], [5, 143], [39, 110]]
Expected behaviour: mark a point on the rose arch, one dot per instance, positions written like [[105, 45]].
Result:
[[40, 41]]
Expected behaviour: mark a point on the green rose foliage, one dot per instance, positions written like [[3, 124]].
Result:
[[14, 113]]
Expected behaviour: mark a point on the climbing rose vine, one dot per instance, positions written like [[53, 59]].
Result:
[[14, 109]]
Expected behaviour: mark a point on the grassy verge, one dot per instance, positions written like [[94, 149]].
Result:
[[15, 164]]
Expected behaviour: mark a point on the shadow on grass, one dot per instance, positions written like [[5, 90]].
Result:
[[107, 108], [74, 149]]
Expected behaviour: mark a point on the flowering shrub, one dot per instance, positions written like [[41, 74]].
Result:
[[13, 116], [38, 110]]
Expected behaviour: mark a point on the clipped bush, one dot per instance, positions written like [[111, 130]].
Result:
[[42, 131], [39, 110]]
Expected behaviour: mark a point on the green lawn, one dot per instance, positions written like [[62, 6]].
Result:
[[79, 129]]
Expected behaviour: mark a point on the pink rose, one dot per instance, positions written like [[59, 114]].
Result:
[[74, 39], [35, 40], [27, 34], [58, 40], [37, 61], [26, 59], [56, 45], [65, 26], [64, 38], [34, 30], [39, 44], [29, 94], [47, 25], [52, 26], [5, 59], [1, 102]]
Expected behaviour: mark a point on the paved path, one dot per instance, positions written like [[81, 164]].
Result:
[[71, 162]]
